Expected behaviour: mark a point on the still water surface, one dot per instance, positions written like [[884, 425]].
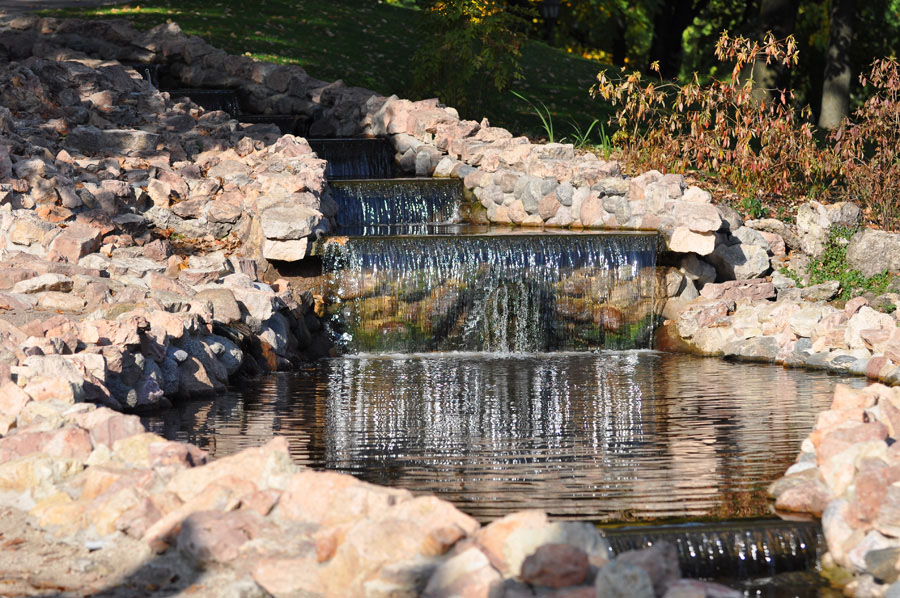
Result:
[[611, 436]]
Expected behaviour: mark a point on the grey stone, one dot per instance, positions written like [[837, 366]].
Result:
[[224, 306], [774, 226], [740, 262], [289, 223], [529, 191], [618, 580], [874, 251], [179, 355], [524, 541], [748, 236], [230, 355], [611, 186], [825, 291], [564, 193], [760, 348], [44, 282], [698, 270], [730, 217]]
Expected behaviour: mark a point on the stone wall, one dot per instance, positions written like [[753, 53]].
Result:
[[133, 229]]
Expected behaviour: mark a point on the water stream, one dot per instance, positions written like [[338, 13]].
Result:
[[612, 436]]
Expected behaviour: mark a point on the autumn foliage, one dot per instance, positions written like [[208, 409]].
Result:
[[756, 144]]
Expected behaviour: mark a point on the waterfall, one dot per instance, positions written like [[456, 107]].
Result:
[[355, 158], [735, 550], [370, 204], [499, 293], [210, 99]]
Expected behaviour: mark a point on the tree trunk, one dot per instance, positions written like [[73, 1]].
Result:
[[669, 23], [836, 86], [779, 17]]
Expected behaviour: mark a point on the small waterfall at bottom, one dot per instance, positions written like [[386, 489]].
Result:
[[730, 550], [500, 293]]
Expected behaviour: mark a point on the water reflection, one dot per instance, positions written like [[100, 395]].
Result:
[[607, 436]]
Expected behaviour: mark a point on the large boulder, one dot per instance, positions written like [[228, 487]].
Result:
[[873, 251], [814, 220]]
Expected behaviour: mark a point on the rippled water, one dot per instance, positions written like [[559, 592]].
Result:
[[613, 436]]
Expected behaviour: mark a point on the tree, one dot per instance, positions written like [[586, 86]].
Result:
[[836, 85], [669, 22], [779, 17]]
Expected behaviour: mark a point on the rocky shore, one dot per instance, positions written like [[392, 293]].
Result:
[[140, 241]]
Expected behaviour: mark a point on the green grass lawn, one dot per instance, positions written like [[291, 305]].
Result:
[[371, 45]]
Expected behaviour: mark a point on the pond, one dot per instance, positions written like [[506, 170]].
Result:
[[607, 437]]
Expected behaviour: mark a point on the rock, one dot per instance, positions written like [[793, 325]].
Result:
[[492, 538], [289, 577], [825, 291], [224, 304], [75, 242], [660, 561], [351, 500], [884, 563], [685, 240], [804, 322], [697, 217], [694, 588], [524, 541], [874, 251], [282, 223], [555, 566], [213, 537], [811, 497], [268, 466], [698, 270], [44, 282], [619, 580], [12, 400], [740, 261], [756, 289], [468, 573], [814, 220], [866, 318], [286, 251]]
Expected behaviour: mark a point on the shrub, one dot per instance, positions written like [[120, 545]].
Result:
[[870, 146], [470, 48], [752, 146]]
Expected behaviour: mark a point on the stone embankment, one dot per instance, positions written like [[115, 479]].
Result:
[[848, 473]]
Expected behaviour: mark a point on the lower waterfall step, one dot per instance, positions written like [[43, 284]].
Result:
[[733, 550]]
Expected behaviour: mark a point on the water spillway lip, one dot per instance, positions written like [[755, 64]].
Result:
[[486, 356], [405, 179], [708, 526], [347, 139], [387, 232]]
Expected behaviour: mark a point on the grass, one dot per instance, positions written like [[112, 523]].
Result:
[[367, 44]]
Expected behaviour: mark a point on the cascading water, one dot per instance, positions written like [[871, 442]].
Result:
[[210, 99], [499, 293], [734, 550], [368, 206], [355, 158]]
